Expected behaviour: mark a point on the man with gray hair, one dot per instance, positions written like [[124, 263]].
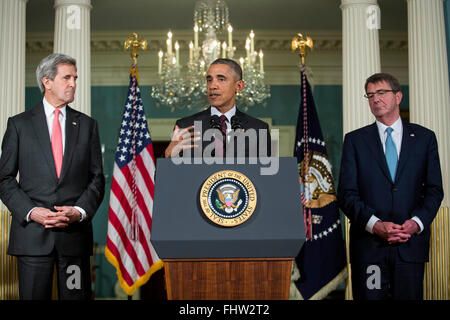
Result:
[[56, 152], [390, 188]]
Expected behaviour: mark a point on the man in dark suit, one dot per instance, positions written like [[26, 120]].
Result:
[[390, 187], [223, 83], [56, 152]]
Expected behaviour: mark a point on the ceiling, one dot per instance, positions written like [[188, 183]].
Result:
[[131, 15]]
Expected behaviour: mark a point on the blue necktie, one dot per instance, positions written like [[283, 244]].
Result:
[[391, 153]]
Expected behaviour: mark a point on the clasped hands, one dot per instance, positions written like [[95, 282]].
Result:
[[61, 218], [395, 233]]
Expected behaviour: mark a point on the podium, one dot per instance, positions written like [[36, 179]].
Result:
[[207, 261]]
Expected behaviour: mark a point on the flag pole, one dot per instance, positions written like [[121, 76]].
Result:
[[133, 42], [298, 42]]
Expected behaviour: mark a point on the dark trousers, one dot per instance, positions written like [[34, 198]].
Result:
[[391, 278], [36, 277]]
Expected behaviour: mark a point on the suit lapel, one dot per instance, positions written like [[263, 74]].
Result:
[[204, 117], [407, 142], [373, 141], [72, 129], [242, 117], [39, 123]]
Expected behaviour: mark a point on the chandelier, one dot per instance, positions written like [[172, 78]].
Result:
[[185, 87]]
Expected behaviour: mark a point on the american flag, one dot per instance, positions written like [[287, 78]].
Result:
[[128, 245]]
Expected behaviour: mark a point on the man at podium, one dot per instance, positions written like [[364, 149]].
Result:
[[234, 133]]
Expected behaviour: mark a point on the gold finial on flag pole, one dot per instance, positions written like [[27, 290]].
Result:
[[299, 43], [133, 42]]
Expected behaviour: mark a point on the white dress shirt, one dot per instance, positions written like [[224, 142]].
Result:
[[397, 133], [49, 116], [229, 114]]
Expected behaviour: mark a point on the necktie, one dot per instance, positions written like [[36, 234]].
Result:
[[391, 153], [57, 146], [223, 126]]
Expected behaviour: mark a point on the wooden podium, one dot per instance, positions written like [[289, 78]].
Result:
[[206, 261], [228, 279]]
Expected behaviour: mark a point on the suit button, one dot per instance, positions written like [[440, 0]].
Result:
[[394, 189]]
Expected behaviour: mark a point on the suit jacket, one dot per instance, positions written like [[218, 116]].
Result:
[[366, 188], [247, 122], [26, 149]]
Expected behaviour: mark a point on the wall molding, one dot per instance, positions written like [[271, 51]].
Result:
[[112, 41], [110, 63]]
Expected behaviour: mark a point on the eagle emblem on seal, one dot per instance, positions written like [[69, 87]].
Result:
[[228, 198], [228, 195]]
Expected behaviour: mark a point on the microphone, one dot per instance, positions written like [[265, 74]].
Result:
[[214, 122], [236, 123]]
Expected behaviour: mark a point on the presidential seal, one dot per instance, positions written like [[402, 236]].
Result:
[[228, 198]]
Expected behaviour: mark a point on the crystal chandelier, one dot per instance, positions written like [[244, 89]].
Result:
[[178, 88]]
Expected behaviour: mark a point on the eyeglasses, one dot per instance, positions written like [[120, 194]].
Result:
[[379, 93]]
